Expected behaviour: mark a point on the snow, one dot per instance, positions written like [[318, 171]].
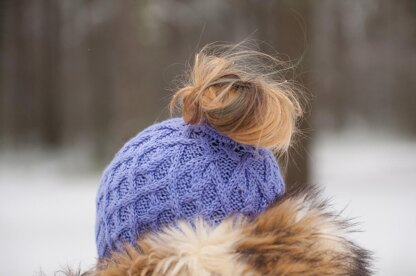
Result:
[[374, 178], [47, 213], [47, 202]]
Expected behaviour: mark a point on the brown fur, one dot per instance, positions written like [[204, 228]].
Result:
[[296, 236], [198, 250]]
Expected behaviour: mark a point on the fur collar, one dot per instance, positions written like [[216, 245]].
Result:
[[295, 236]]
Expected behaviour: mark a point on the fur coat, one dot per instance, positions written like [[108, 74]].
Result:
[[295, 236]]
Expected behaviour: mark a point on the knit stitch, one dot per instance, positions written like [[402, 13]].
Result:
[[173, 170]]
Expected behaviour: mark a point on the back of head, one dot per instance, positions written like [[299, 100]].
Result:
[[200, 166], [238, 92]]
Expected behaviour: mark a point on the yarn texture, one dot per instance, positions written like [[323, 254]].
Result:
[[177, 171]]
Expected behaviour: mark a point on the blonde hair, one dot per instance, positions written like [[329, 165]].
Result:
[[235, 90]]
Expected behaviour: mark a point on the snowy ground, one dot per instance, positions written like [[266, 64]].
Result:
[[374, 177], [47, 203], [46, 212]]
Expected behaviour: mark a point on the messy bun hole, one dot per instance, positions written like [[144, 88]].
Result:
[[235, 91]]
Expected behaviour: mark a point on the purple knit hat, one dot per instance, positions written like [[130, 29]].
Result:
[[174, 170]]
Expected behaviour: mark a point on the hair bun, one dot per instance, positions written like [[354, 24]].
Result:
[[233, 90]]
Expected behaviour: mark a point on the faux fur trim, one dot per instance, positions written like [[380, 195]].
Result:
[[299, 236], [296, 236]]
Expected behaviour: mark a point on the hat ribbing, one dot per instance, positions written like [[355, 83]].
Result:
[[173, 170]]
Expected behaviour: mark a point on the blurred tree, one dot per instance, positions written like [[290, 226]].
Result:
[[364, 55], [50, 82], [292, 39]]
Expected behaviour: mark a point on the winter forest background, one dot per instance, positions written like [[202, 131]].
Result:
[[79, 78]]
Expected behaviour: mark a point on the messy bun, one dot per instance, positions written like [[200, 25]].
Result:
[[235, 90]]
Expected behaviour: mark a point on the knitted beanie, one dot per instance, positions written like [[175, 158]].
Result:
[[214, 162], [178, 171]]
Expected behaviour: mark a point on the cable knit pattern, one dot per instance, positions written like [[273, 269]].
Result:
[[173, 170]]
